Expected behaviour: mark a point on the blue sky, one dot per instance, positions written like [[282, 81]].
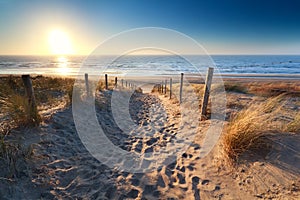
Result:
[[221, 26]]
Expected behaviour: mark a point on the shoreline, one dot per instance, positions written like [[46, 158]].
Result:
[[224, 76]]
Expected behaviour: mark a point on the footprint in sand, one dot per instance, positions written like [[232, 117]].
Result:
[[195, 183]]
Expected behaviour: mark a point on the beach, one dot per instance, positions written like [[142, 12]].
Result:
[[149, 100], [52, 162]]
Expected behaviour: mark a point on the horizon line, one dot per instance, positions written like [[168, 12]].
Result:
[[216, 54]]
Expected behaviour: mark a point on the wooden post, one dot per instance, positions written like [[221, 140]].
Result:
[[106, 82], [122, 83], [126, 83], [181, 85], [207, 87], [31, 98], [162, 87], [116, 82], [86, 77], [170, 88], [166, 86]]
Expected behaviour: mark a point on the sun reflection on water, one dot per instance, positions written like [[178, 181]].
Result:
[[63, 66]]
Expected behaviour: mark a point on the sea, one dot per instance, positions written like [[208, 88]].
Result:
[[146, 65]]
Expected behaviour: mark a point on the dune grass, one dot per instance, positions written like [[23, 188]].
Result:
[[294, 126], [274, 88], [13, 155], [19, 110], [16, 113], [249, 128], [14, 103]]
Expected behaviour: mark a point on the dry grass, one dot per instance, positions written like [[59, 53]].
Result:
[[16, 112], [19, 110], [13, 156], [231, 86], [274, 88], [294, 126], [248, 128], [14, 104]]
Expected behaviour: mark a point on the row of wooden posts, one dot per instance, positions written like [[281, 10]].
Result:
[[162, 89], [126, 85]]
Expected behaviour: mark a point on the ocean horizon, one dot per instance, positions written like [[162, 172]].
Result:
[[151, 65]]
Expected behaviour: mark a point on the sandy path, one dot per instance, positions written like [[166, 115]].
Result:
[[64, 169]]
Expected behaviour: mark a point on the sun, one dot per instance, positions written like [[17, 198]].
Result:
[[60, 43]]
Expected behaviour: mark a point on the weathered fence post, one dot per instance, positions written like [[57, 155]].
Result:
[[86, 77], [170, 88], [162, 87], [207, 87], [31, 98], [106, 82], [166, 86], [116, 82], [122, 83], [181, 85], [126, 83]]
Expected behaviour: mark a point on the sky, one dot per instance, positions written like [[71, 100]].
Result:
[[220, 26]]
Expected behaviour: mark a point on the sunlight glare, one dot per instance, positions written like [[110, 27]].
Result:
[[62, 66], [59, 43]]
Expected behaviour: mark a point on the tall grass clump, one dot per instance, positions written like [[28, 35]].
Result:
[[294, 126], [48, 91], [14, 102], [247, 130], [20, 110], [13, 155]]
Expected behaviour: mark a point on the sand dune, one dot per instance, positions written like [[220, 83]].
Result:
[[62, 167]]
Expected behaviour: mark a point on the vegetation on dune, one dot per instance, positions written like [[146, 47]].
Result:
[[274, 88], [248, 129], [235, 87], [294, 126], [13, 155], [15, 105], [16, 112], [19, 110]]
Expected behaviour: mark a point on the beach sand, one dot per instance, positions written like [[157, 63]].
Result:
[[60, 166]]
